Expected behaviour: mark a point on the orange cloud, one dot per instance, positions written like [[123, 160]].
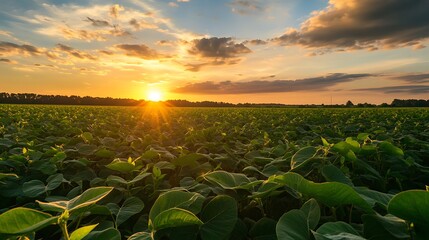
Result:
[[362, 24], [140, 51], [74, 52], [8, 48]]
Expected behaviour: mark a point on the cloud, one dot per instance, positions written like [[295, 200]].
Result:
[[245, 7], [106, 52], [214, 52], [117, 31], [218, 48], [255, 42], [88, 23], [115, 9], [362, 24], [409, 89], [98, 23], [74, 52], [197, 67], [8, 48], [5, 60], [168, 43], [142, 24], [140, 51], [69, 33], [183, 0], [414, 78], [173, 4], [264, 86]]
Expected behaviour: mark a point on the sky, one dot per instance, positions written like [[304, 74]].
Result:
[[259, 51]]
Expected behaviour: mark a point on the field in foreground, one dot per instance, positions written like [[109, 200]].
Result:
[[199, 173]]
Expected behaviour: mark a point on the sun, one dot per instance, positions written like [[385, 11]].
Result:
[[154, 96]]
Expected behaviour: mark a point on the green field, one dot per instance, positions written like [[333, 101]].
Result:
[[213, 173]]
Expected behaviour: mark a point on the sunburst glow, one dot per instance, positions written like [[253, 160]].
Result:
[[154, 96]]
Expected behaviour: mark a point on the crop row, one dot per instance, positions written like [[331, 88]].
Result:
[[171, 173]]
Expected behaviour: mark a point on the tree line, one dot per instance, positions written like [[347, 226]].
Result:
[[32, 98]]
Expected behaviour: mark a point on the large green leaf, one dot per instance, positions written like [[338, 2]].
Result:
[[302, 156], [140, 236], [411, 205], [57, 206], [330, 193], [337, 231], [175, 217], [89, 197], [334, 174], [264, 228], [230, 180], [8, 175], [372, 197], [130, 207], [105, 234], [54, 181], [80, 233], [188, 160], [384, 227], [186, 232], [219, 217], [176, 199], [121, 166], [24, 220], [33, 188], [293, 225], [390, 149], [311, 210]]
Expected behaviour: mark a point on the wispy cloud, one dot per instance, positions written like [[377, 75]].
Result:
[[140, 51], [255, 42], [408, 89], [245, 7], [74, 52], [6, 60], [115, 9], [264, 86], [98, 23], [414, 78], [8, 49], [173, 4], [362, 24]]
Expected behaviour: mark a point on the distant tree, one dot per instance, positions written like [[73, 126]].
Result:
[[349, 104]]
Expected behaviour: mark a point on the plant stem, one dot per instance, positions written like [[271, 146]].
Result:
[[62, 221], [350, 213], [65, 231]]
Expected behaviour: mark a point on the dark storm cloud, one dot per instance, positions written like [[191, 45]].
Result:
[[98, 23], [217, 48], [414, 78], [74, 52], [363, 24], [264, 86], [410, 89], [12, 48], [139, 50]]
